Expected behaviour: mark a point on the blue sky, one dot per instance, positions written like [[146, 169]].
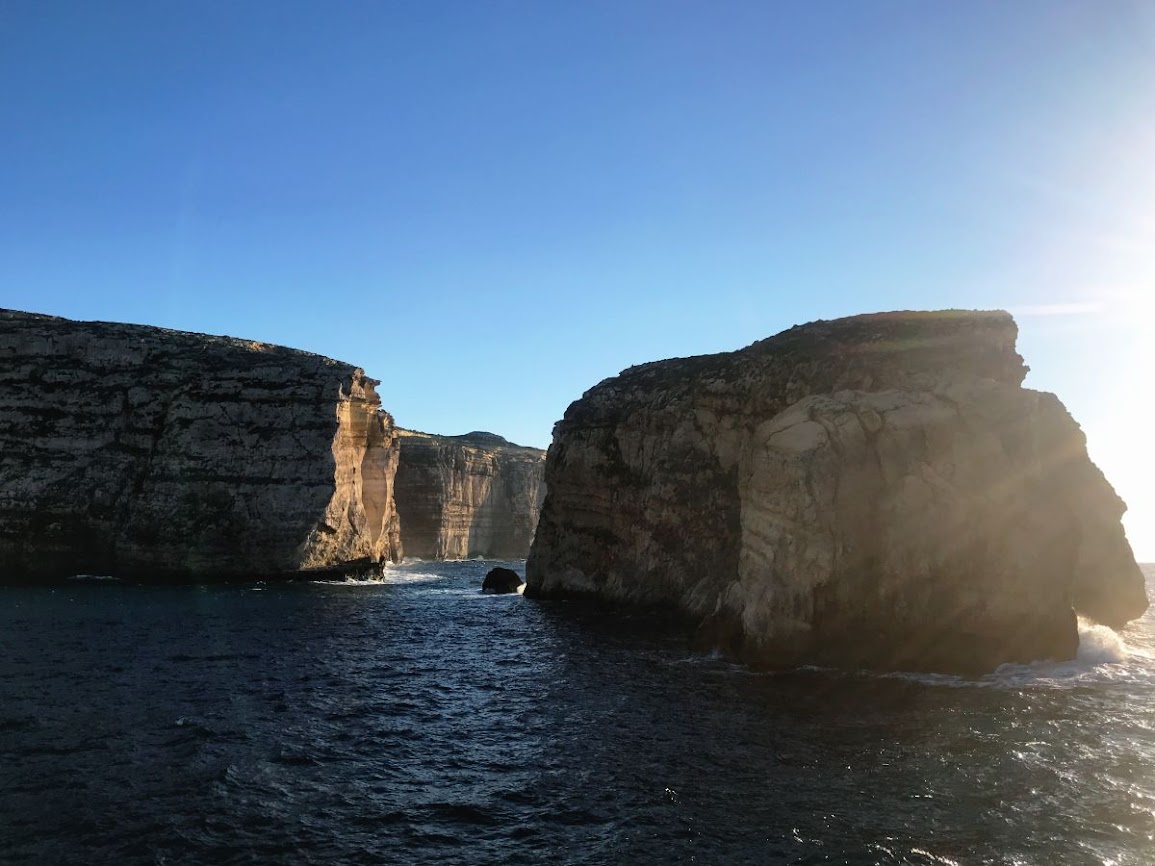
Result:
[[493, 205]]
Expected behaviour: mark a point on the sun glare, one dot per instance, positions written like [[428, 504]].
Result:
[[1122, 445]]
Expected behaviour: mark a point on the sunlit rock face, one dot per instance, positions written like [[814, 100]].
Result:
[[461, 497], [877, 491], [153, 454]]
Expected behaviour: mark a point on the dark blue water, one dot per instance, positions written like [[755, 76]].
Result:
[[417, 721]]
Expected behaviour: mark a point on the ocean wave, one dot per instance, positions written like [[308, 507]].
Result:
[[1103, 657], [386, 579], [1099, 644]]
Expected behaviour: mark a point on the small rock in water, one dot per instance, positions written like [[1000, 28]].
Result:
[[502, 580]]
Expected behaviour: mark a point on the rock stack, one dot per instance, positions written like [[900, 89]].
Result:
[[878, 491]]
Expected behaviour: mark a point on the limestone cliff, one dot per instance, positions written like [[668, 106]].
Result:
[[459, 497], [154, 454], [875, 491]]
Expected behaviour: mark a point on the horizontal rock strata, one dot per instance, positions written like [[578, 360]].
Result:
[[153, 454], [461, 497], [878, 491]]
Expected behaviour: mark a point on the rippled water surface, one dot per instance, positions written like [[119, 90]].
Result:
[[417, 721]]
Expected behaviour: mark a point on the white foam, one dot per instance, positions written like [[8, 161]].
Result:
[[386, 579], [1102, 656], [934, 858], [1099, 644]]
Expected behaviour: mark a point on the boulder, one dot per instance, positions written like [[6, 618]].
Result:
[[502, 580]]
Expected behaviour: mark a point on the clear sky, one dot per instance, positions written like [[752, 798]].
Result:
[[491, 206]]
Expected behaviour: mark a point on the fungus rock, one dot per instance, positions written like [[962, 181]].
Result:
[[877, 491]]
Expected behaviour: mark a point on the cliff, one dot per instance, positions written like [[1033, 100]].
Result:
[[460, 497], [877, 491], [153, 454]]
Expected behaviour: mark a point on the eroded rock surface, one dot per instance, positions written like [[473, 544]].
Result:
[[877, 491], [460, 497], [153, 454]]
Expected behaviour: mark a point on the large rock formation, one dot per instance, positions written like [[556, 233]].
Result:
[[877, 491], [154, 454], [461, 497]]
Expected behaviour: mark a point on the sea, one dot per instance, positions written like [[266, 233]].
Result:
[[413, 719]]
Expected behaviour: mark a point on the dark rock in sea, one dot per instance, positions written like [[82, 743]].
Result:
[[365, 568], [500, 580], [151, 454], [461, 497], [877, 491]]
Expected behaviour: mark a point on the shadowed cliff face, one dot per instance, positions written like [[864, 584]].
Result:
[[877, 491], [154, 454], [460, 497]]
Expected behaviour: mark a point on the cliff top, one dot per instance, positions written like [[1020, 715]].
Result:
[[873, 351], [475, 439], [161, 354], [122, 330]]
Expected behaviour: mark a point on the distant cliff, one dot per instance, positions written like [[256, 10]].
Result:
[[877, 491], [154, 454], [459, 497]]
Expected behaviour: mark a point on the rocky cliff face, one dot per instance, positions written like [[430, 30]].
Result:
[[465, 496], [876, 491], [154, 454]]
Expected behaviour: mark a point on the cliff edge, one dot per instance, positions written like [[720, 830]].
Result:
[[461, 497], [877, 491], [153, 454]]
